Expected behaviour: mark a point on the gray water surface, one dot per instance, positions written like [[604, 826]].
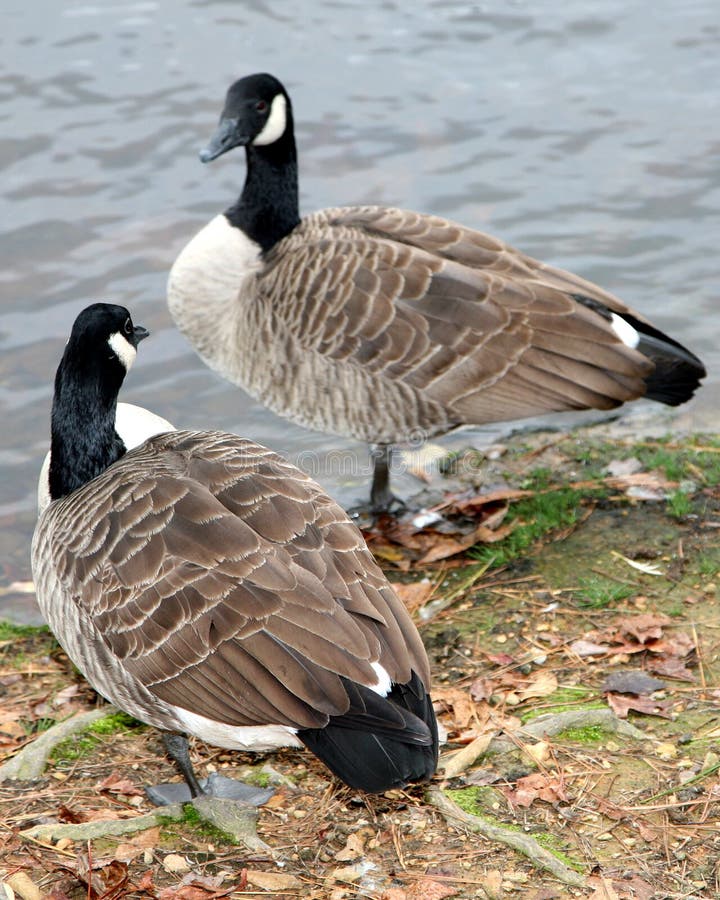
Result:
[[587, 134]]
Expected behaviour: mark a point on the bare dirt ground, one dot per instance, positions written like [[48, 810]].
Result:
[[592, 601]]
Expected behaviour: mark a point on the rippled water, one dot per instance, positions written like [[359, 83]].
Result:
[[587, 134]]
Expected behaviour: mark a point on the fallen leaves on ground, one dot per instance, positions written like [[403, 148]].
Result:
[[413, 539], [538, 786]]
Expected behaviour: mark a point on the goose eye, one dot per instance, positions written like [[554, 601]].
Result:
[[128, 326], [261, 106]]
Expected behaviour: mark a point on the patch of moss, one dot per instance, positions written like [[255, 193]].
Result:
[[82, 745], [258, 778], [114, 723], [564, 699], [559, 849], [476, 801], [587, 734], [192, 818]]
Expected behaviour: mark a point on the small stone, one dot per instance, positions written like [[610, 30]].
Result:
[[273, 881], [175, 864], [23, 886], [666, 751]]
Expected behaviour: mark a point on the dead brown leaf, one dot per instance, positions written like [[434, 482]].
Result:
[[136, 845], [458, 702], [621, 704], [402, 543], [201, 887], [105, 879], [537, 786], [602, 888], [427, 889], [415, 594], [353, 849], [483, 688], [541, 685], [678, 644], [645, 627], [115, 783], [670, 667]]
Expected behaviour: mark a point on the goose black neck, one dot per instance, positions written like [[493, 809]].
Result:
[[267, 210], [83, 437]]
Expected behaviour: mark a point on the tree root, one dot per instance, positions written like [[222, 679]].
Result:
[[522, 843], [88, 831], [553, 724], [235, 819], [30, 762]]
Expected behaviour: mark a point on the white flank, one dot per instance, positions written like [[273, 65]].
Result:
[[237, 737], [384, 685], [123, 349], [275, 125], [624, 330], [134, 425]]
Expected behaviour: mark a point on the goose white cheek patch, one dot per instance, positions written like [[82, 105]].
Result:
[[123, 349], [275, 125], [625, 331]]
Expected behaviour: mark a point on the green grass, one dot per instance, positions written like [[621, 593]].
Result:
[[538, 479], [679, 505], [708, 565], [535, 517], [597, 593], [11, 632]]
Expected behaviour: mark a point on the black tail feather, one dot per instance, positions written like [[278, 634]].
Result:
[[677, 372], [381, 742]]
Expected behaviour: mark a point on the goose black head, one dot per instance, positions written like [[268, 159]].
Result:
[[97, 356], [103, 343], [257, 113]]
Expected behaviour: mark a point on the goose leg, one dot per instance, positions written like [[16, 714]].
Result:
[[382, 498], [216, 785]]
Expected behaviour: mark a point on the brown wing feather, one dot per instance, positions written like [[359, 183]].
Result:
[[228, 583], [456, 316]]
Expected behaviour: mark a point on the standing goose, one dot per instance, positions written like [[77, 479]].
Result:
[[382, 324], [205, 585]]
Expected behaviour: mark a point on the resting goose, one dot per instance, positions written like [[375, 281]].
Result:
[[205, 585], [382, 324]]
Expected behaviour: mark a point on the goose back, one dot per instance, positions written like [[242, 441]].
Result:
[[203, 583]]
